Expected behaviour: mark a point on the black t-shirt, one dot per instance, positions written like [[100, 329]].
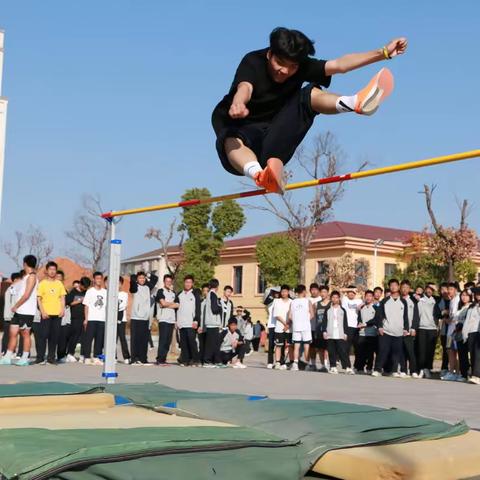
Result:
[[77, 312], [268, 96]]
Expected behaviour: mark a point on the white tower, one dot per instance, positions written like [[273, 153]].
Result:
[[3, 121]]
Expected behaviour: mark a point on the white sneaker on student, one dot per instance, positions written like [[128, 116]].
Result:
[[404, 375], [416, 375], [239, 365], [126, 361], [395, 375], [294, 367], [70, 359], [475, 380], [333, 371], [277, 366], [376, 374], [89, 361], [270, 366], [350, 371], [81, 359], [283, 367]]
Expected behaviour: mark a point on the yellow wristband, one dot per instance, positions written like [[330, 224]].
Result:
[[386, 54]]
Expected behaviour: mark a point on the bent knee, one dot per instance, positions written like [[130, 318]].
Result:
[[232, 143]]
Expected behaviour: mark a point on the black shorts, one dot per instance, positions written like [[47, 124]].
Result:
[[23, 321], [277, 138], [318, 340]]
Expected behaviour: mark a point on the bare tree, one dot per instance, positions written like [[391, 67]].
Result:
[[165, 238], [90, 234], [301, 219], [33, 242]]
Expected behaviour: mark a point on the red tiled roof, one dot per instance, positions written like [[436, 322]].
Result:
[[324, 231]]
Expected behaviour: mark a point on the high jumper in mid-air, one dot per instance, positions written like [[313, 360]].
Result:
[[267, 112]]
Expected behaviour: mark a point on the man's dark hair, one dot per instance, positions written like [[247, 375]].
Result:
[[51, 264], [167, 276], [314, 285], [189, 277], [228, 287], [369, 291], [454, 285], [393, 280], [378, 288], [141, 273], [75, 281], [291, 45], [444, 285], [300, 289], [30, 261], [98, 274], [335, 292], [213, 283], [405, 282], [85, 282], [323, 287], [285, 287], [205, 285], [62, 273], [15, 276]]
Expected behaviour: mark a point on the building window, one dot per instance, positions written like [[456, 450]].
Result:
[[237, 280], [261, 283], [322, 272], [390, 269], [361, 273]]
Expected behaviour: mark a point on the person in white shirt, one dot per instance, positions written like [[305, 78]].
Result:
[[122, 321], [95, 302], [281, 307], [10, 299], [334, 326], [23, 313], [451, 321], [300, 314], [270, 295], [352, 306]]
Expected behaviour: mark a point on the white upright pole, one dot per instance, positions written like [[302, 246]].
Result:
[[110, 346], [375, 265], [3, 121]]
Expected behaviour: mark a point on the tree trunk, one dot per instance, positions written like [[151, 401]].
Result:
[[451, 271], [303, 261]]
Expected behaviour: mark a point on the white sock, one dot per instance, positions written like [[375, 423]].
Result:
[[346, 104], [25, 355], [8, 355], [252, 168]]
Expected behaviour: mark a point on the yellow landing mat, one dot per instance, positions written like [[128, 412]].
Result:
[[444, 459], [96, 410]]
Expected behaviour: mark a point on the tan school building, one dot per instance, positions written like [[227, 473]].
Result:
[[379, 247]]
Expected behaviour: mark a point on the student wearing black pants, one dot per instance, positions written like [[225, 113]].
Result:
[[167, 306], [74, 300], [367, 337], [409, 354], [95, 302], [391, 319], [425, 343], [122, 322], [213, 325], [140, 288], [427, 332]]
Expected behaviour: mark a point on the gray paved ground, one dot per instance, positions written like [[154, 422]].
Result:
[[448, 401]]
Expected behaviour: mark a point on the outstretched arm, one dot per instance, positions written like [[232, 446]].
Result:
[[353, 61]]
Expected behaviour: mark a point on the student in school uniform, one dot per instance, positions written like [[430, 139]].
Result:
[[281, 307], [167, 316], [334, 328], [11, 296], [367, 336], [409, 354], [232, 347], [122, 321], [213, 326]]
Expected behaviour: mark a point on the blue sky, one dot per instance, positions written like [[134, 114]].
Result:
[[115, 97]]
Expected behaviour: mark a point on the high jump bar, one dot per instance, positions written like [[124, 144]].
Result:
[[295, 186]]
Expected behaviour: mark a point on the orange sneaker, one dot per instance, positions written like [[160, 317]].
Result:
[[271, 177], [377, 90]]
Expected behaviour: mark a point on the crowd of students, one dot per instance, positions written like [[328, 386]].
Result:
[[393, 332], [203, 322]]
